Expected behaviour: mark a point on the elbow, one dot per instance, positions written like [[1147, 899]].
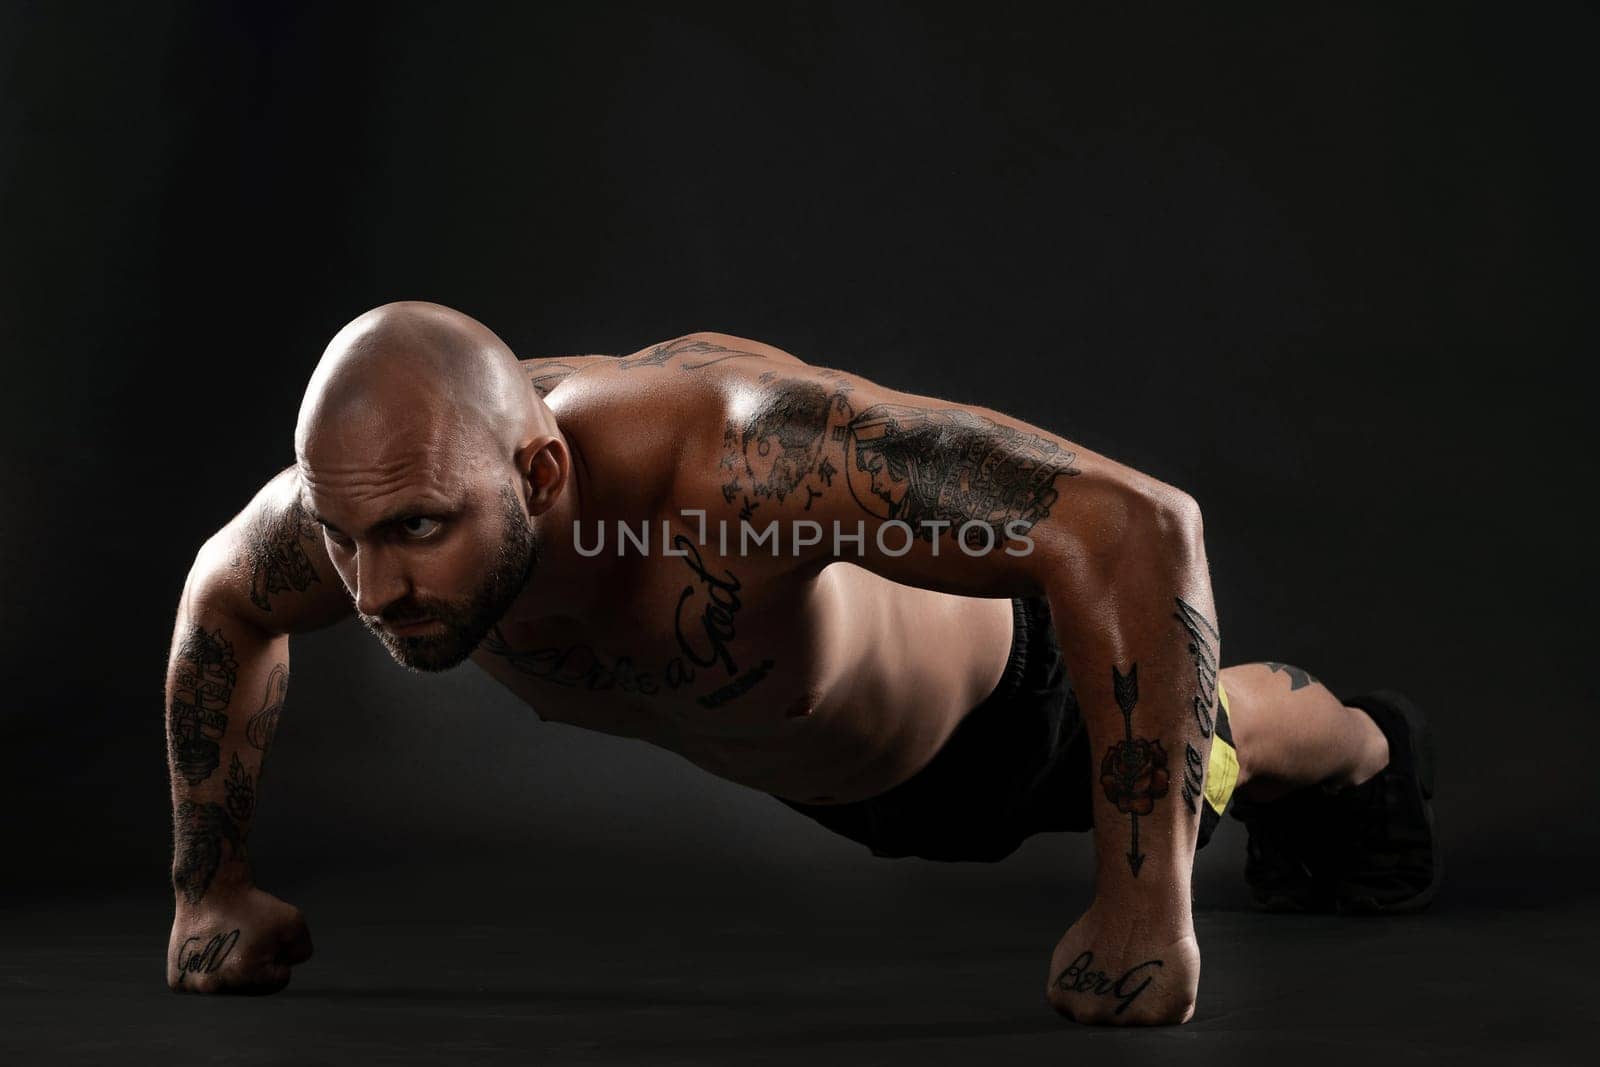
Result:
[[200, 586], [1176, 516], [1162, 522], [1141, 528], [207, 588]]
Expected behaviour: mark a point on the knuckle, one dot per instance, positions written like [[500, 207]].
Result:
[[1091, 1012], [1077, 1009]]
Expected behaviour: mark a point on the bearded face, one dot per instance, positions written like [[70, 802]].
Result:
[[460, 625]]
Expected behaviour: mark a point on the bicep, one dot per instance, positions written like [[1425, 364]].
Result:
[[268, 566], [927, 492]]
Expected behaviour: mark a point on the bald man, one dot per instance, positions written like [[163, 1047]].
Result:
[[931, 627]]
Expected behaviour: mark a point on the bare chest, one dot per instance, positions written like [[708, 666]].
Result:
[[693, 645]]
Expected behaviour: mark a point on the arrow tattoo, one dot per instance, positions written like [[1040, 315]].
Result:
[[1134, 772]]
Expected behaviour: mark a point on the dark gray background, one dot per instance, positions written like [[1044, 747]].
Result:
[[1324, 269]]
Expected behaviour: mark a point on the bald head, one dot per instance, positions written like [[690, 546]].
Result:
[[424, 453], [422, 370]]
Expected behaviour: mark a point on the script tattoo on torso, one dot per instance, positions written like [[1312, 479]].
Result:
[[579, 666], [703, 625]]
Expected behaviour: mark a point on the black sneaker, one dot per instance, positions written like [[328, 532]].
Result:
[[1285, 866], [1382, 843]]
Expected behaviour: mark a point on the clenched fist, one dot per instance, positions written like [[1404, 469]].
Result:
[[1118, 967], [244, 942]]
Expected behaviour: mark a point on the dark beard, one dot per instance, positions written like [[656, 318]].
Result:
[[463, 626]]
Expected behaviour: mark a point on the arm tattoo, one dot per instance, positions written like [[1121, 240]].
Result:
[[928, 468], [1203, 642], [1298, 679], [199, 831], [263, 725], [1193, 778], [1134, 771], [241, 791], [931, 466], [202, 686], [1203, 653], [276, 554], [781, 443], [683, 346]]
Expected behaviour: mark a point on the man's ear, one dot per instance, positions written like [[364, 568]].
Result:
[[544, 464]]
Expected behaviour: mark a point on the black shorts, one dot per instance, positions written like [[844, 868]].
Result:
[[1018, 764]]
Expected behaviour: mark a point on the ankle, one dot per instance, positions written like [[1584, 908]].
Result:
[[1372, 751]]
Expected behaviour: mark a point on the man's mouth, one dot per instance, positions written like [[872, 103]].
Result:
[[402, 629]]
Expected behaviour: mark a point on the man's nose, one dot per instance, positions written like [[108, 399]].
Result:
[[379, 582]]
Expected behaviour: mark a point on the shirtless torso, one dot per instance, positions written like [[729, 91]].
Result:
[[857, 680]]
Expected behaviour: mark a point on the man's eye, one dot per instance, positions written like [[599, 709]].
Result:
[[418, 527]]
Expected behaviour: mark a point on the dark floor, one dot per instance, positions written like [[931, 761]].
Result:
[[944, 968]]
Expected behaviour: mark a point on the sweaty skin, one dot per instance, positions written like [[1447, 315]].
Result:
[[847, 708], [410, 409], [465, 505]]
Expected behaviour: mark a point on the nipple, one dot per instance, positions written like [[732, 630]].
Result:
[[804, 705]]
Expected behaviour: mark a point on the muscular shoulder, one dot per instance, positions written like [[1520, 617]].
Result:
[[681, 355], [649, 424], [801, 442], [268, 565], [749, 433]]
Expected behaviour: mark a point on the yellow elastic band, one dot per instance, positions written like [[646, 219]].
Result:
[[1224, 769]]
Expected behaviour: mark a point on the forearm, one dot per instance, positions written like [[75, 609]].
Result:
[[1143, 658], [226, 682]]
